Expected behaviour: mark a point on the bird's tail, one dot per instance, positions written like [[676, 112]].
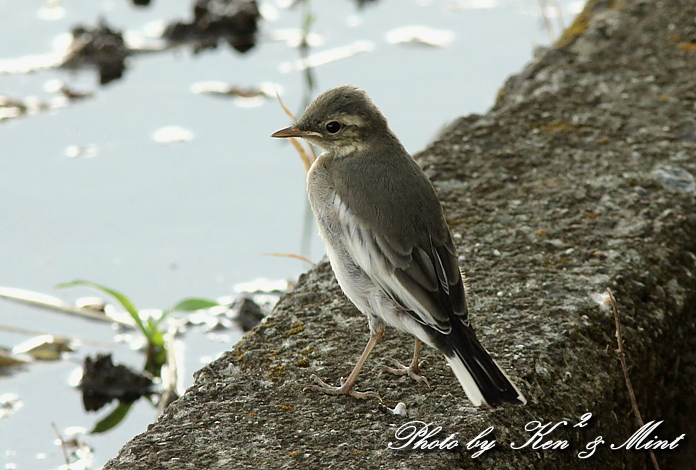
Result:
[[483, 380]]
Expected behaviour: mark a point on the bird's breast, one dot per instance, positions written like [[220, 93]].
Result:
[[321, 195]]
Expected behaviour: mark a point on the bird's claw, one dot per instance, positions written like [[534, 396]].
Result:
[[411, 371], [319, 385]]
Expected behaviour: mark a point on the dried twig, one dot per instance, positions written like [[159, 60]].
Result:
[[58, 338], [547, 21], [306, 159], [290, 255], [287, 112], [171, 372], [544, 6], [622, 359], [62, 444]]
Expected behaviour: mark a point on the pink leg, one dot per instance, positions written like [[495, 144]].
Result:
[[346, 387]]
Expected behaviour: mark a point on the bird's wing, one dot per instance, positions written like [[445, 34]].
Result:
[[423, 278]]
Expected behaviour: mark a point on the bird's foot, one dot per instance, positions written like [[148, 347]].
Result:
[[411, 371], [319, 385]]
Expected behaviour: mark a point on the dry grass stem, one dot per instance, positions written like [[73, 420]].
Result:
[[62, 444], [290, 255], [622, 359], [306, 159]]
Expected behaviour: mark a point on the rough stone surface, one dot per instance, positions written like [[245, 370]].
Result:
[[577, 180]]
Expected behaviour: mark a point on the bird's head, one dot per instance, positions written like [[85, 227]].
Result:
[[341, 120]]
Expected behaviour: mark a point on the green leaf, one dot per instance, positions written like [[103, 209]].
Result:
[[123, 300], [155, 336], [112, 419], [193, 304]]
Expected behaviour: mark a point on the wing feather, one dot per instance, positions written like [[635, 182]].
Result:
[[423, 279]]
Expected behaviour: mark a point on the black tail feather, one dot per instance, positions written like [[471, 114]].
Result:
[[481, 377]]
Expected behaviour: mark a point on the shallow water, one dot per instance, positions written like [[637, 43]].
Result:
[[160, 222]]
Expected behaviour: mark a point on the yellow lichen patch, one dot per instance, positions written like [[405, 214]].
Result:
[[302, 363], [276, 372], [541, 233], [285, 407], [296, 328], [238, 356], [500, 94], [559, 126], [687, 46], [457, 221], [580, 24]]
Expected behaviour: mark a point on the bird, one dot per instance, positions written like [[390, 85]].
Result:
[[389, 244]]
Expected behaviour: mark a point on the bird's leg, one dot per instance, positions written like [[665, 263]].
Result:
[[346, 387], [411, 370]]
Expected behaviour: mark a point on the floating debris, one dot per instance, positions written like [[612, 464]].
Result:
[[235, 21], [103, 381], [52, 11], [221, 88], [362, 3], [263, 285], [7, 359], [420, 35], [9, 403], [74, 95], [242, 96], [11, 108], [95, 304], [101, 47], [73, 445], [327, 56], [31, 105], [81, 151], [268, 12], [30, 63], [264, 292], [456, 5], [58, 86], [38, 299], [208, 322], [293, 37], [44, 347], [247, 313], [171, 134]]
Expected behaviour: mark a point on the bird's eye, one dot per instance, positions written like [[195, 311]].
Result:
[[333, 126]]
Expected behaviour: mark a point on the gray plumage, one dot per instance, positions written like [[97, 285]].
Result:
[[388, 242]]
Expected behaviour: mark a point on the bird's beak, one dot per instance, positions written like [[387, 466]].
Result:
[[293, 131]]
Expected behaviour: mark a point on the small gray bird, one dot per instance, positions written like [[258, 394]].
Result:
[[389, 245]]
